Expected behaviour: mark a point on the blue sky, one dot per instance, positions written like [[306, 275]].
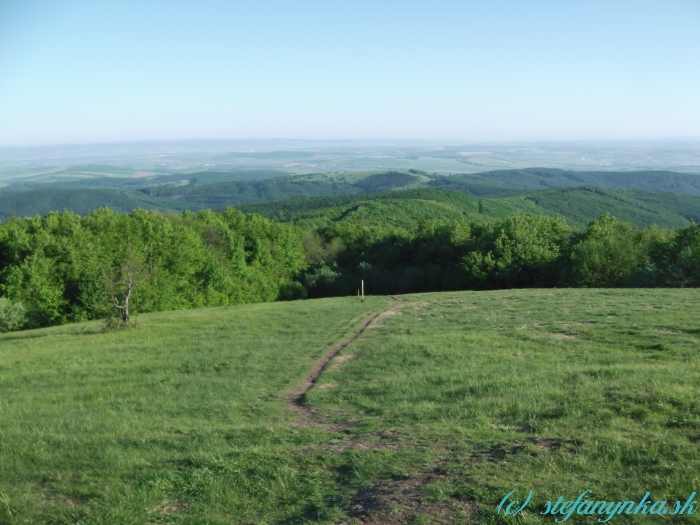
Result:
[[76, 71]]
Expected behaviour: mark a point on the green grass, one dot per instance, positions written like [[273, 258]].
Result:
[[431, 416], [189, 408], [480, 386]]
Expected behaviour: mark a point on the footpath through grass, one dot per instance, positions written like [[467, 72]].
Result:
[[181, 419], [432, 415], [555, 391]]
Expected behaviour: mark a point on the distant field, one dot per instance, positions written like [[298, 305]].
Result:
[[304, 157], [446, 403]]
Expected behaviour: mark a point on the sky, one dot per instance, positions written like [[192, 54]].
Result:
[[95, 71]]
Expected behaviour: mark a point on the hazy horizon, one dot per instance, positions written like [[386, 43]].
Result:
[[361, 141], [299, 156]]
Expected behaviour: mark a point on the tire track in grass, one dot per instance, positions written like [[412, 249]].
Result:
[[385, 502], [298, 396]]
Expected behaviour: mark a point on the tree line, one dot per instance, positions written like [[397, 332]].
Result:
[[63, 268]]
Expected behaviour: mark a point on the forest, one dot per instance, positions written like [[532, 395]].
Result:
[[658, 192], [62, 267]]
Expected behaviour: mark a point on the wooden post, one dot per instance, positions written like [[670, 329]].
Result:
[[363, 289]]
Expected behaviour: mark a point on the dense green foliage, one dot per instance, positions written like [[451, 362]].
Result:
[[639, 205], [580, 205], [433, 415], [224, 194], [57, 265], [204, 191], [81, 201], [576, 205], [511, 181], [323, 210], [520, 251]]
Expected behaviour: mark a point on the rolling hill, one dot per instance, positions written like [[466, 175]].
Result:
[[201, 194], [407, 208], [502, 182], [445, 403], [641, 198]]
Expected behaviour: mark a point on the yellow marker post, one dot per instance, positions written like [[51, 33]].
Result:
[[363, 289]]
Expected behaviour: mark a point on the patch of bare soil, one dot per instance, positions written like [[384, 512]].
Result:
[[383, 439], [500, 452], [541, 443], [382, 316], [399, 502], [170, 508], [562, 336], [339, 360]]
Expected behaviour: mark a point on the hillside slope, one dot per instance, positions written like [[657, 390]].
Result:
[[82, 202], [503, 182], [580, 205], [403, 208], [194, 196], [202, 190], [443, 405], [407, 208]]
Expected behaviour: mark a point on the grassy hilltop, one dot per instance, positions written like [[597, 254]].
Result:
[[442, 406]]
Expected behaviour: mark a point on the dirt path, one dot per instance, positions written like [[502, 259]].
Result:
[[296, 398]]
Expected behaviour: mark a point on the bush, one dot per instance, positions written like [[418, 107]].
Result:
[[609, 254], [520, 251], [292, 291], [12, 315], [324, 281], [684, 254]]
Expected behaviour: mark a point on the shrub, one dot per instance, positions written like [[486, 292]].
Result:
[[523, 250], [324, 281], [12, 315], [609, 254]]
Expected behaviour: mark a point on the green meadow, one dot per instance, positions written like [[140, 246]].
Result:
[[443, 405]]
